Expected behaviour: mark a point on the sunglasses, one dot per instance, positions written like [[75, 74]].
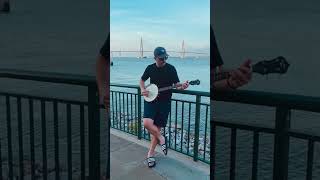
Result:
[[164, 58]]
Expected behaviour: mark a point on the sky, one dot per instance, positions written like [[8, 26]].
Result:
[[163, 23]]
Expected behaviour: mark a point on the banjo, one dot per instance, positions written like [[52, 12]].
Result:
[[277, 65], [154, 90]]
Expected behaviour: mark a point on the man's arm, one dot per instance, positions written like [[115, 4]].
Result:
[[176, 81], [221, 85], [181, 86], [178, 85], [142, 85], [102, 78], [238, 78], [144, 92]]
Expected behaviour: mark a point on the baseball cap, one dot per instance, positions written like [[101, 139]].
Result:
[[160, 52]]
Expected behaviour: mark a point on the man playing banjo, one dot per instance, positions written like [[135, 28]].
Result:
[[156, 112]]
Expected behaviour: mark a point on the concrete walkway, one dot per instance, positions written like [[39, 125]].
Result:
[[128, 156]]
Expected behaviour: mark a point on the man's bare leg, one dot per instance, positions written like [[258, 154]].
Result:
[[155, 134], [155, 142], [152, 129]]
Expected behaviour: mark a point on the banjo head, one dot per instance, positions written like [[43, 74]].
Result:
[[153, 92]]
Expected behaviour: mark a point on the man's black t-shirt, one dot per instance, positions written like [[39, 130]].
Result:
[[217, 60], [105, 50], [162, 77]]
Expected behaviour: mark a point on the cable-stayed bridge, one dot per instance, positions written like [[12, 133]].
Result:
[[141, 53]]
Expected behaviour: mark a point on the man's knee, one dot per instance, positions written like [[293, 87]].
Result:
[[147, 122]]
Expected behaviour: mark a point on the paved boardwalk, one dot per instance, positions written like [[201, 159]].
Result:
[[128, 156]]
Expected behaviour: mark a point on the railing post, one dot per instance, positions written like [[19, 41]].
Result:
[[197, 127], [108, 124], [139, 114], [94, 132], [213, 128], [281, 144]]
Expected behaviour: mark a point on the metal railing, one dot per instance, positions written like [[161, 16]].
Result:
[[282, 132], [188, 127], [51, 120]]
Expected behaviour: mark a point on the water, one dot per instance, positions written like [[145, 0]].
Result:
[[128, 70], [263, 30]]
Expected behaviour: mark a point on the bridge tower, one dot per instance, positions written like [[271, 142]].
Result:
[[141, 49], [183, 50]]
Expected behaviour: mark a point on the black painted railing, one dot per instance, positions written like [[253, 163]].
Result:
[[281, 132], [188, 127], [41, 131]]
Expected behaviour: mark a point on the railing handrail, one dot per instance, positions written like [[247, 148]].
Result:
[[298, 102], [75, 79], [188, 92], [283, 104], [93, 107]]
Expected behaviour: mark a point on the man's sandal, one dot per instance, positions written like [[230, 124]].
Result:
[[164, 146], [151, 161]]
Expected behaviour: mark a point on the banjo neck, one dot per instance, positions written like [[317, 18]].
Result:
[[166, 88], [194, 82], [278, 65]]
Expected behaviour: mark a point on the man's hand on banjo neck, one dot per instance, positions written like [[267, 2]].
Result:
[[182, 86], [238, 77]]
